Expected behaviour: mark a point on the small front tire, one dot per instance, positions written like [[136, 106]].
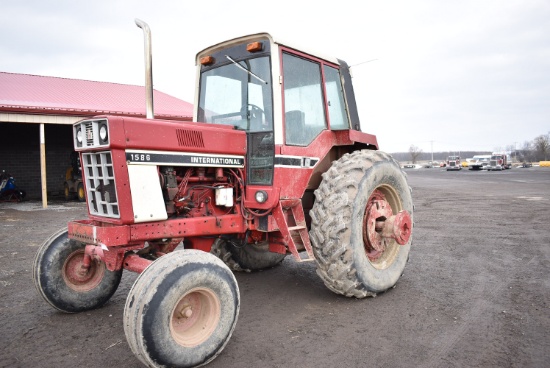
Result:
[[60, 279], [182, 310]]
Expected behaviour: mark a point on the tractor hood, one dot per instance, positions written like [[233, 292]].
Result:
[[129, 133]]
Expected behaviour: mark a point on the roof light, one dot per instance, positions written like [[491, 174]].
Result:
[[254, 46], [207, 60]]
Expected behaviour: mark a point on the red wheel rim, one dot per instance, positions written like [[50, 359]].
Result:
[[81, 279], [382, 204]]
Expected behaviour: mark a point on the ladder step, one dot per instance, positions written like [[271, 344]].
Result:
[[294, 228]]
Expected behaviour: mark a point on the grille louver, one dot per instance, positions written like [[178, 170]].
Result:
[[190, 138]]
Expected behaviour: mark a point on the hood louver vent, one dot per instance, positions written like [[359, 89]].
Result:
[[190, 138]]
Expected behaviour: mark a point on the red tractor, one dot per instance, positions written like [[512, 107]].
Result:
[[275, 164]]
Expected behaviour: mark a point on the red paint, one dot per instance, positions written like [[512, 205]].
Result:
[[380, 223]]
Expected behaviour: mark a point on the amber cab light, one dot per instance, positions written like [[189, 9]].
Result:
[[207, 60], [254, 46]]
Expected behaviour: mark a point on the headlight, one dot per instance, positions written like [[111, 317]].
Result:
[[103, 133], [261, 196], [79, 135]]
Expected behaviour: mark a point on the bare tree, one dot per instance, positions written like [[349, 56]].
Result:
[[541, 145], [415, 152], [527, 151]]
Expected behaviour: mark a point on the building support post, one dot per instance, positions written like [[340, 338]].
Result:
[[43, 167]]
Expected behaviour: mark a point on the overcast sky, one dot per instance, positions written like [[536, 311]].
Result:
[[452, 75]]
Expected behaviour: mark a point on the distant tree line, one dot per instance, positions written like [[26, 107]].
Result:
[[419, 155], [536, 150], [532, 151]]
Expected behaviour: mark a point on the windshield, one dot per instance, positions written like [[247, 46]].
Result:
[[238, 94]]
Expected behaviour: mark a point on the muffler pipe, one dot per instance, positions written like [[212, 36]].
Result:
[[148, 67]]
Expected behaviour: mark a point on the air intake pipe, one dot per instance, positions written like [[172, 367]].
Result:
[[148, 67]]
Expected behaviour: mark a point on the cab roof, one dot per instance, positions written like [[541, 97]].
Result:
[[264, 35]]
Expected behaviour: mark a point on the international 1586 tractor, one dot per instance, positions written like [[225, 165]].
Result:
[[274, 164]]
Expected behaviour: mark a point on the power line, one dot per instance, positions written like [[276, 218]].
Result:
[[363, 62]]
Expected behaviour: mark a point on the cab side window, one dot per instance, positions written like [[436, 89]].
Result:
[[335, 100], [304, 108]]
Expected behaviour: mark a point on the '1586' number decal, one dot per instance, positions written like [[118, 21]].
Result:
[[140, 157]]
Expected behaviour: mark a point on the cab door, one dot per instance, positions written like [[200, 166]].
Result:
[[314, 107]]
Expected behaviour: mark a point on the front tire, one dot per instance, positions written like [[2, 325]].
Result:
[[59, 278], [248, 257], [347, 261], [182, 310]]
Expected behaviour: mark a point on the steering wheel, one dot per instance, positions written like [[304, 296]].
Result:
[[255, 111]]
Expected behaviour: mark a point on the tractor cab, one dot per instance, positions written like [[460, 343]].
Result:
[[294, 106]]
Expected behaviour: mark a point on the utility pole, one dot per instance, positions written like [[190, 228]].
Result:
[[432, 143]]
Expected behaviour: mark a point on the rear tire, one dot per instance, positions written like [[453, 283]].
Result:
[[345, 262], [182, 310], [61, 282]]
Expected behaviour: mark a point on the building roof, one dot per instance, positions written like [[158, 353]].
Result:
[[34, 94]]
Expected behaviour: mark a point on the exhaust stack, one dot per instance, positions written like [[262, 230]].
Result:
[[148, 67]]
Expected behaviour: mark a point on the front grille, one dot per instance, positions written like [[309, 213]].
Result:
[[89, 135], [493, 163], [100, 184]]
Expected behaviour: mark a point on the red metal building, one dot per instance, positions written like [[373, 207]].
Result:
[[36, 115]]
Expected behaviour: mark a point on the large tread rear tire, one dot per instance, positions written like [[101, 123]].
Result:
[[337, 224], [59, 279], [182, 310]]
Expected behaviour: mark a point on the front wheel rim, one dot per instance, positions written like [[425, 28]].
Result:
[[79, 278], [195, 317]]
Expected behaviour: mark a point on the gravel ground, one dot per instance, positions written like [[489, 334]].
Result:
[[475, 293]]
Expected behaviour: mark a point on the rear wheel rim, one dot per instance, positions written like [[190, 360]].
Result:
[[381, 252], [195, 317]]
